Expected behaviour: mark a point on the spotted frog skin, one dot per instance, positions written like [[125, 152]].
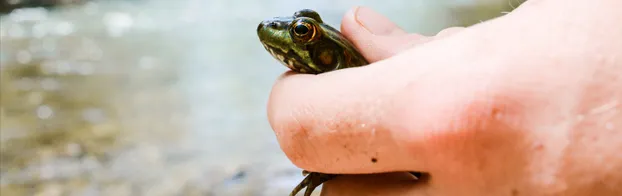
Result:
[[305, 44]]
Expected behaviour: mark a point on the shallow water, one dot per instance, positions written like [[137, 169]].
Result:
[[158, 97]]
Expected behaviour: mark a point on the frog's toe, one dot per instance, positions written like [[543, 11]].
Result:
[[310, 188], [301, 185], [311, 181]]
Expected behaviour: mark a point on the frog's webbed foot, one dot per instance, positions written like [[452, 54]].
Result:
[[312, 181]]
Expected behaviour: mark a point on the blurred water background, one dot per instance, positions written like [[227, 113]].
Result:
[[158, 97]]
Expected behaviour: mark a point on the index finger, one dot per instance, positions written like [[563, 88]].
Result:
[[334, 118], [322, 121]]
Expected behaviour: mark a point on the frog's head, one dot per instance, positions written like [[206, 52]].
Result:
[[302, 42]]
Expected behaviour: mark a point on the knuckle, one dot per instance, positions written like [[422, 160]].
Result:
[[290, 132], [294, 120]]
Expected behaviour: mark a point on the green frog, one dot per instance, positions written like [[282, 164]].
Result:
[[305, 44]]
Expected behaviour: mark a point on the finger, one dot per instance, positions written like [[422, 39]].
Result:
[[333, 122], [372, 22], [375, 35], [396, 184], [336, 123], [447, 32]]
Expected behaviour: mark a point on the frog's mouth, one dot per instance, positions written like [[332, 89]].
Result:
[[290, 59]]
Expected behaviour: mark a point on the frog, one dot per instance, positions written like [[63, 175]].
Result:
[[306, 45]]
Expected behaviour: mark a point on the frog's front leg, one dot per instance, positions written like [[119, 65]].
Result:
[[311, 181]]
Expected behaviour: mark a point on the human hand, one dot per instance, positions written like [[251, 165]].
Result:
[[525, 104]]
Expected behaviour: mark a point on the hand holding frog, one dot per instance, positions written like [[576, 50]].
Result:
[[525, 104]]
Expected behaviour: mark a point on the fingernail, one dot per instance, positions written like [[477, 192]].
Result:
[[376, 23]]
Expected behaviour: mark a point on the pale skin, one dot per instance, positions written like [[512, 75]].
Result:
[[529, 103]]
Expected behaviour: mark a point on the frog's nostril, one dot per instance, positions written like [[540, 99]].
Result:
[[268, 24], [273, 25]]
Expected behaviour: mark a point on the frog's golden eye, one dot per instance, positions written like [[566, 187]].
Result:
[[303, 31]]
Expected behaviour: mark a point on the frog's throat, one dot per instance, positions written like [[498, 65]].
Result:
[[290, 59]]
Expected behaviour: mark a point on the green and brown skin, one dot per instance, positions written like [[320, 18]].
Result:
[[305, 44]]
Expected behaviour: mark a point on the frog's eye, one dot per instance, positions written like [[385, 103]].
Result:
[[303, 31]]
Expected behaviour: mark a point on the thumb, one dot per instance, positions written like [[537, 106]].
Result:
[[375, 35]]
